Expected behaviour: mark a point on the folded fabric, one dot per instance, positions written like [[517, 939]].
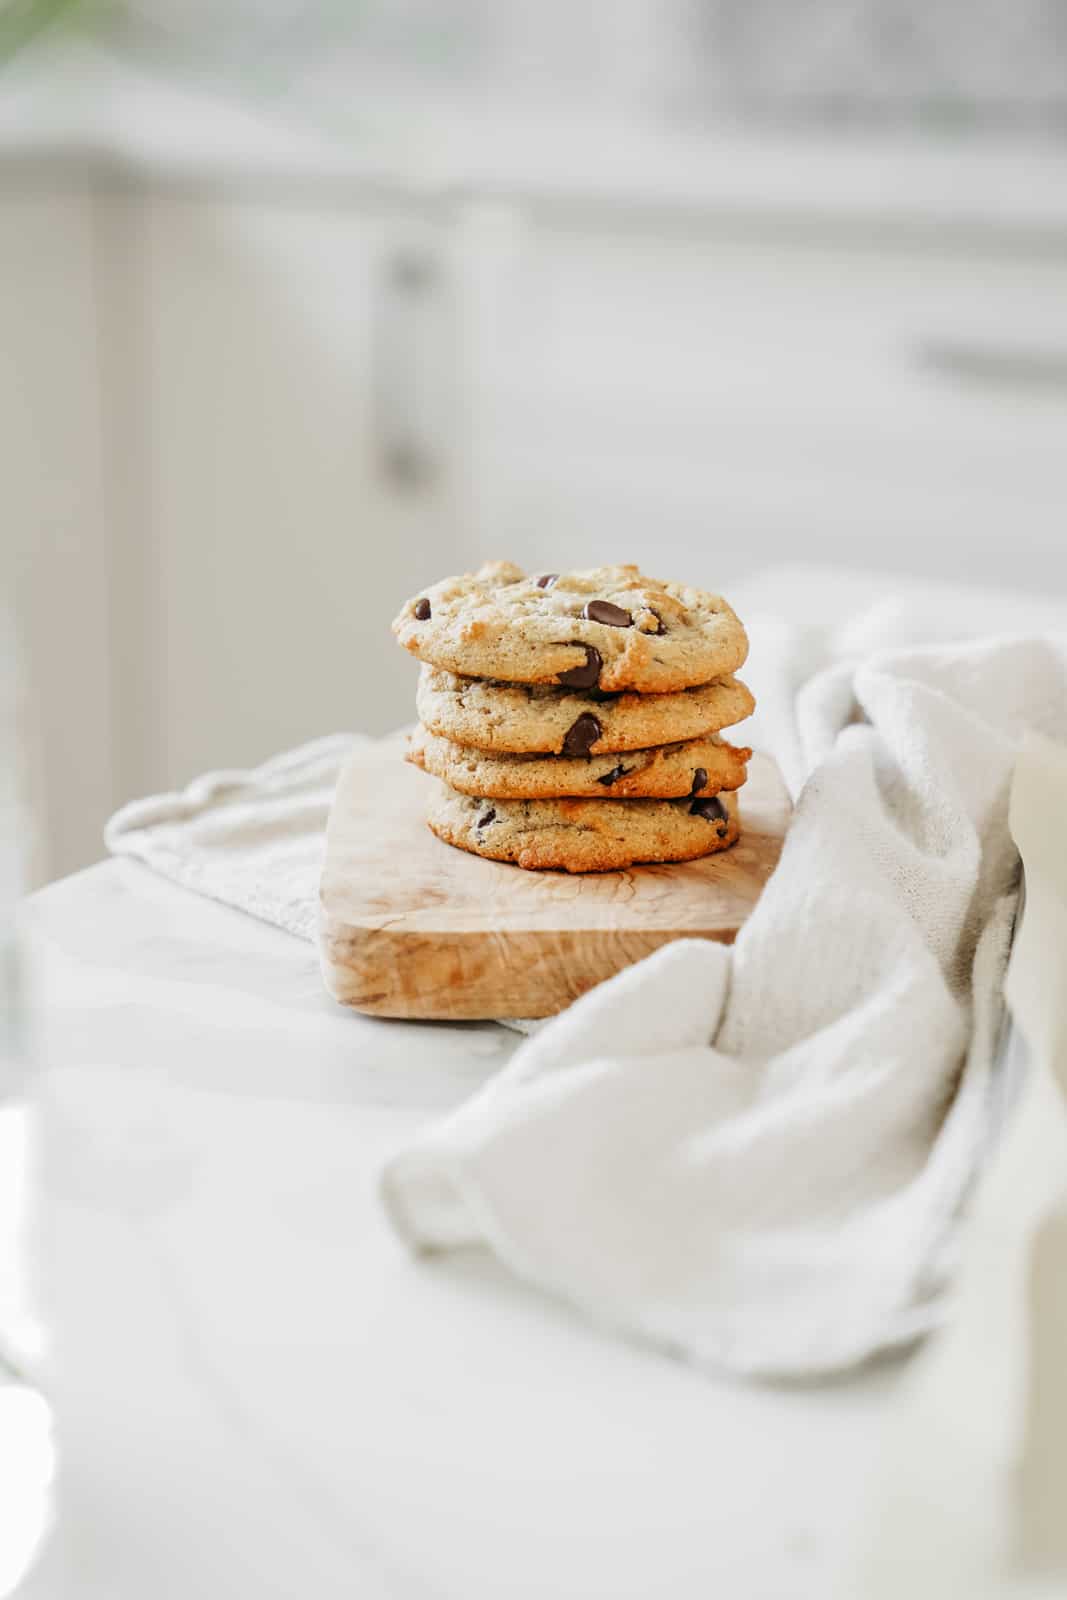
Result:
[[756, 1158], [251, 839]]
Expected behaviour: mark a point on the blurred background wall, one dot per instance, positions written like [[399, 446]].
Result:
[[304, 304]]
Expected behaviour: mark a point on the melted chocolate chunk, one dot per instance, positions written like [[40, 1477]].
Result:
[[700, 779], [422, 610], [604, 611], [712, 810], [614, 775], [546, 580], [483, 822], [582, 735], [585, 676]]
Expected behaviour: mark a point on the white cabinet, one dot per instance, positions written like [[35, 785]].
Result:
[[292, 497], [233, 426], [709, 394], [56, 527]]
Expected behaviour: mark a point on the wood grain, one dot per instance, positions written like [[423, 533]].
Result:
[[410, 927]]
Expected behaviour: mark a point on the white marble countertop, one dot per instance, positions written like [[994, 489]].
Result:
[[75, 103], [258, 1393]]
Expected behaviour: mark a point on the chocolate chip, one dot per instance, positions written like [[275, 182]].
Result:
[[546, 580], [422, 610], [712, 810], [604, 611], [614, 775], [582, 735], [700, 779], [483, 822], [585, 676]]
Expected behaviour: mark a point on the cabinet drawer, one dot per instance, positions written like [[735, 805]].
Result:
[[834, 390]]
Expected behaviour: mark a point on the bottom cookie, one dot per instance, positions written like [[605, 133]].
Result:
[[584, 835]]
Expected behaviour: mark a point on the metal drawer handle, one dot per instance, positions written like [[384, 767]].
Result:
[[1002, 366], [405, 448]]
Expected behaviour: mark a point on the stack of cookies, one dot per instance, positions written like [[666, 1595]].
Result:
[[574, 719]]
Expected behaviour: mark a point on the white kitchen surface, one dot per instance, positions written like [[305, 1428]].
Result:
[[257, 1392], [74, 99]]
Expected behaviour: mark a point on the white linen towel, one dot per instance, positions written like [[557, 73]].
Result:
[[250, 839], [754, 1157]]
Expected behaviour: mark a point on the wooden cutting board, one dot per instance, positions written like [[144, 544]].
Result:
[[411, 927]]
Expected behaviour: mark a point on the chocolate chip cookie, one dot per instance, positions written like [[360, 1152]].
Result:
[[697, 767], [510, 717], [584, 835], [610, 628]]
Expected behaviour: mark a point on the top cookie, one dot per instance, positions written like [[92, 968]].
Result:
[[609, 627]]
